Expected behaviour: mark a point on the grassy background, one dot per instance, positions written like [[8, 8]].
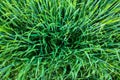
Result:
[[59, 39]]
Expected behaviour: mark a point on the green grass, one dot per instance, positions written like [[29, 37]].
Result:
[[59, 39]]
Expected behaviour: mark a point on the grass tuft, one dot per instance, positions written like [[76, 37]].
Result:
[[59, 39]]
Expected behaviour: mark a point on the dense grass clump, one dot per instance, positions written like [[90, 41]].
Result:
[[59, 39]]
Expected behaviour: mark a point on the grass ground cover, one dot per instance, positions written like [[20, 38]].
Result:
[[59, 39]]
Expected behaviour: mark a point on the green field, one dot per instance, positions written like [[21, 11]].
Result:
[[59, 39]]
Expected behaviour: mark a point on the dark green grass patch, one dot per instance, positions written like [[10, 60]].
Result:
[[59, 39]]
